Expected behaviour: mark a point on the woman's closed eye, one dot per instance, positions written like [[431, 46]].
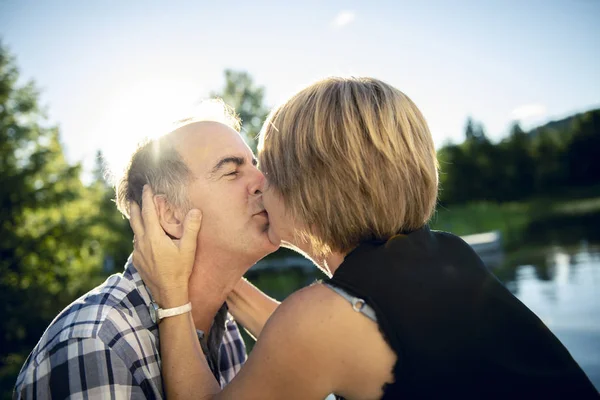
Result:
[[232, 173]]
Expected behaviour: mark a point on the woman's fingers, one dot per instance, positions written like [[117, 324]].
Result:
[[191, 227], [151, 223], [164, 264], [135, 219]]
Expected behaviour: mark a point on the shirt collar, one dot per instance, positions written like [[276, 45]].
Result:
[[132, 275]]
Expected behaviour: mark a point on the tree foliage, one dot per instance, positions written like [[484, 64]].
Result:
[[56, 232], [247, 98], [541, 162]]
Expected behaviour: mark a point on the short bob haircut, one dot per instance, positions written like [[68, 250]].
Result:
[[353, 160]]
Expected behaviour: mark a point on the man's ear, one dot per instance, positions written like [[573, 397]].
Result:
[[170, 219]]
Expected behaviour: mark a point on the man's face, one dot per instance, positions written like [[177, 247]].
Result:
[[227, 189]]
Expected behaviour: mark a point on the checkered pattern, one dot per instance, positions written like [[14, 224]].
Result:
[[104, 345]]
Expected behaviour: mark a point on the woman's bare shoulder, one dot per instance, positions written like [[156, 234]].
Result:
[[295, 351], [316, 304], [326, 333]]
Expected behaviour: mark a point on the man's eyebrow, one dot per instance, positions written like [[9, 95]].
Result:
[[226, 160]]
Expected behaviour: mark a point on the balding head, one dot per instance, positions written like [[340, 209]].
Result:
[[193, 140], [164, 163], [198, 142]]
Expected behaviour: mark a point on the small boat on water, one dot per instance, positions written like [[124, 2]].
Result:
[[488, 246]]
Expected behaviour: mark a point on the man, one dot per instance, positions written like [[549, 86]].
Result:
[[106, 343]]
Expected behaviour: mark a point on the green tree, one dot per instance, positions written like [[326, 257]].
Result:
[[454, 164], [583, 148], [241, 93], [549, 155], [518, 165], [474, 131], [108, 226], [468, 170], [47, 254]]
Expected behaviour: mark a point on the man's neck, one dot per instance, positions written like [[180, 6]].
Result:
[[213, 278]]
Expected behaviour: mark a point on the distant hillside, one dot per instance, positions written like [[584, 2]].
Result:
[[561, 125]]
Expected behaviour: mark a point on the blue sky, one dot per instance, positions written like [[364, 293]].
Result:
[[112, 72]]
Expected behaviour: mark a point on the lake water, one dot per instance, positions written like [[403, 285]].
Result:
[[562, 286]]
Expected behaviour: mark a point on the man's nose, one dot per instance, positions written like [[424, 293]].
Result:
[[258, 183]]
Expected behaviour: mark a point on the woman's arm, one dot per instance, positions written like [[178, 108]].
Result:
[[185, 372], [296, 356], [313, 345], [250, 306]]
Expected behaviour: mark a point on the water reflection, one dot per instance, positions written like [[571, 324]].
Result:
[[561, 285]]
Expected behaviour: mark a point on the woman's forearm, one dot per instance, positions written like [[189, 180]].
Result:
[[186, 374], [250, 307]]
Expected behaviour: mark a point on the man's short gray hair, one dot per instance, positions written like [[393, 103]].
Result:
[[157, 162]]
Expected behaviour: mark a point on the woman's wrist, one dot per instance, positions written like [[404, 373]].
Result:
[[170, 298]]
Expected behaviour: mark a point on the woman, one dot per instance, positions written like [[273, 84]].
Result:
[[408, 312]]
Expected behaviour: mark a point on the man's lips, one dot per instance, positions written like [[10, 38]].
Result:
[[263, 213]]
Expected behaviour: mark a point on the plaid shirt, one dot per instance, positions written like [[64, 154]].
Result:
[[104, 345]]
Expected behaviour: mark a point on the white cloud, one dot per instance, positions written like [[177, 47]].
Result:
[[528, 111], [342, 19]]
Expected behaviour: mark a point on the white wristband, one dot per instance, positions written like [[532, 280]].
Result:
[[157, 313]]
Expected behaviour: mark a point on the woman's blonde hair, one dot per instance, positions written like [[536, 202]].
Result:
[[353, 160]]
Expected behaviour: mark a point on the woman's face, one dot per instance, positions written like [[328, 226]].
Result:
[[281, 224]]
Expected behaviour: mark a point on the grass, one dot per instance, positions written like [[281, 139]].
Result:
[[508, 218], [518, 221]]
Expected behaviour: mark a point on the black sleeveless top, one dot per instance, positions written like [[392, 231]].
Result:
[[457, 331]]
